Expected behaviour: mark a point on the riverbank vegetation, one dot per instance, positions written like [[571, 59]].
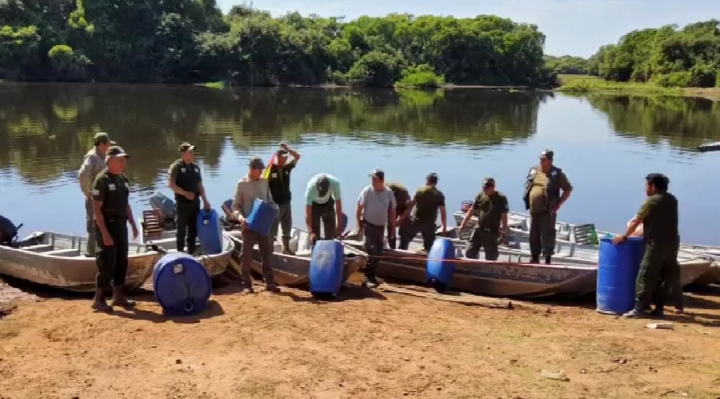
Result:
[[192, 41], [664, 60]]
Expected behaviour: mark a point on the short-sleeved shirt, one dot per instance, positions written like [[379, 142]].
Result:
[[538, 202], [279, 182], [427, 202], [659, 214], [187, 176], [376, 205], [490, 209], [313, 196], [402, 197], [113, 191], [93, 163]]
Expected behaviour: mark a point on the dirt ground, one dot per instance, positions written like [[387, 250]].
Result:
[[369, 345]]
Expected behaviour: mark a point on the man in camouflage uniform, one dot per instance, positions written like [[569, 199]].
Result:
[[93, 163], [402, 198], [546, 190], [659, 269], [491, 208], [426, 202]]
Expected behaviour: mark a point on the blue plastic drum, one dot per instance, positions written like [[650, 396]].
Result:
[[182, 285]]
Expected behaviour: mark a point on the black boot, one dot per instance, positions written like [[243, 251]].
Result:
[[119, 298], [535, 260], [99, 301], [548, 260]]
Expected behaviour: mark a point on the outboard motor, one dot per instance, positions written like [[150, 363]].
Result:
[[8, 231]]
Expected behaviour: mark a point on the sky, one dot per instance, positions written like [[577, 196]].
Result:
[[577, 27]]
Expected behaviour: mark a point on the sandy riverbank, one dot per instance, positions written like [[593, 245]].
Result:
[[380, 345]]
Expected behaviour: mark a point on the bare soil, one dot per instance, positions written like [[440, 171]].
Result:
[[369, 345]]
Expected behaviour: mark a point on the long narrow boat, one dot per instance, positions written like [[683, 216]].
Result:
[[158, 230], [580, 241], [57, 260], [294, 270]]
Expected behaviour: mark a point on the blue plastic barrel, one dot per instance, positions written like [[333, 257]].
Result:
[[209, 229], [182, 285], [617, 272], [326, 268], [261, 217], [441, 262], [163, 204]]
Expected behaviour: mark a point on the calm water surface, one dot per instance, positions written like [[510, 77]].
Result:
[[606, 145]]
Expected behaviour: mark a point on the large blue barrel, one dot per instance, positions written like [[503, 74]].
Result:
[[182, 285], [441, 263], [261, 217], [617, 272], [326, 267], [209, 229], [163, 204]]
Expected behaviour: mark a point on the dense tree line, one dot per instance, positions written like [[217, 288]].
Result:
[[567, 64], [192, 41], [667, 56]]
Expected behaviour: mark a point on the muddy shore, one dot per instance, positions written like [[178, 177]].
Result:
[[366, 345]]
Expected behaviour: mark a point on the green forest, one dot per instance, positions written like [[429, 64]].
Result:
[[666, 56], [193, 41]]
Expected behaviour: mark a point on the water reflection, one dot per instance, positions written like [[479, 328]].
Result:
[[681, 122], [46, 129]]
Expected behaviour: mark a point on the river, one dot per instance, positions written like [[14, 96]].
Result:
[[606, 145]]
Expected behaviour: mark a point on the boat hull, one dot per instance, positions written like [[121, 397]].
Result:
[[71, 271]]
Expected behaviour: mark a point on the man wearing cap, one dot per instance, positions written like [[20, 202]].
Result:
[[491, 208], [251, 187], [323, 206], [426, 202], [375, 209], [279, 181], [186, 182], [93, 163], [402, 199], [546, 190], [110, 193]]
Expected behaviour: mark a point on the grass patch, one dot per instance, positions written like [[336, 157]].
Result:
[[584, 84], [213, 85]]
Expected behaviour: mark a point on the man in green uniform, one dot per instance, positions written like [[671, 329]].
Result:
[[402, 199], [426, 202], [279, 182], [93, 163], [543, 198], [659, 268], [110, 194], [186, 182], [491, 208]]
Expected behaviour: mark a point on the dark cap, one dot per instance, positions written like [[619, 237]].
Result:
[[257, 163], [102, 137], [323, 185], [186, 147], [116, 152], [432, 178], [489, 182], [281, 153], [378, 174], [547, 154]]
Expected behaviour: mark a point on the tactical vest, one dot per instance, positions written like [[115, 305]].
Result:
[[552, 188], [279, 184]]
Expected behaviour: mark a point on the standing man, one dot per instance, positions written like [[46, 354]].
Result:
[[250, 188], [186, 182], [93, 164], [110, 194], [546, 190], [279, 182], [402, 199], [323, 205], [492, 209], [375, 209], [426, 202], [659, 270]]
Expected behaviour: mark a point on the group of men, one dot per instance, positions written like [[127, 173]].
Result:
[[381, 206]]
